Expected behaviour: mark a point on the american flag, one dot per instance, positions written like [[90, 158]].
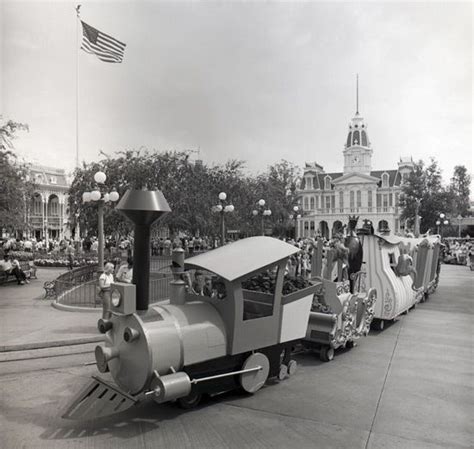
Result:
[[105, 47]]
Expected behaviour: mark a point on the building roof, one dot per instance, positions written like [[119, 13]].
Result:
[[243, 257], [393, 180], [48, 176]]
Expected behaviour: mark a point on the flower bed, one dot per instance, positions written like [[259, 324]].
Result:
[[21, 256], [63, 262]]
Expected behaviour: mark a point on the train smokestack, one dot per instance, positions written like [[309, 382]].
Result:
[[143, 208]]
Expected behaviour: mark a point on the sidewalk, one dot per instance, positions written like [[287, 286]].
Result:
[[29, 322]]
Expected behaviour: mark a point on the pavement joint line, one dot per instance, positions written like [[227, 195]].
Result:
[[44, 357], [384, 382], [52, 344], [38, 370], [287, 415]]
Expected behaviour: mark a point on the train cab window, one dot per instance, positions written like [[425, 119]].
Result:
[[259, 295]]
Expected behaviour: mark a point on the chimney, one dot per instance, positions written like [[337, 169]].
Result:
[[143, 208]]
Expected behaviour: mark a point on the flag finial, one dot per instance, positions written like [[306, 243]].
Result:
[[78, 10]]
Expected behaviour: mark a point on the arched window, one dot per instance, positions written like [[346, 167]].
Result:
[[53, 206], [351, 197], [317, 202], [341, 201], [348, 143], [309, 182], [385, 180], [327, 183], [355, 138], [37, 205], [359, 198], [364, 138], [369, 200], [311, 203], [305, 203]]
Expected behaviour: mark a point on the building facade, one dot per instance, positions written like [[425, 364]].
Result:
[[327, 199], [48, 211]]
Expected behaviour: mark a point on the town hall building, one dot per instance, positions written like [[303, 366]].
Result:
[[327, 199]]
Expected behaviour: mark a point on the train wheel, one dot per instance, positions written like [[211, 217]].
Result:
[[190, 401], [350, 344], [378, 325], [254, 380], [326, 354], [292, 367], [283, 372]]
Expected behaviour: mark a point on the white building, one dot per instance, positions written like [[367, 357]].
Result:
[[327, 199], [48, 211]]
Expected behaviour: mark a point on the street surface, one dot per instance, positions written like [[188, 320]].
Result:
[[410, 386]]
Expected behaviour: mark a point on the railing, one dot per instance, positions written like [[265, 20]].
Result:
[[78, 287]]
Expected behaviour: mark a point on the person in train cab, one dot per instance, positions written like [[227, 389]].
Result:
[[125, 272], [199, 283], [106, 279]]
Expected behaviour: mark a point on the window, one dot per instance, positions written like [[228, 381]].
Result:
[[328, 202], [327, 183], [53, 180], [369, 199], [311, 203], [311, 225], [397, 199], [317, 202], [259, 294], [359, 198], [348, 143], [309, 183], [53, 207], [351, 202], [364, 138], [333, 201], [355, 138], [385, 202], [305, 203], [341, 201], [385, 180], [390, 200], [37, 205], [379, 200]]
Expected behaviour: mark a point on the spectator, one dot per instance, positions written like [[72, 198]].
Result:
[[105, 281], [199, 283], [18, 272], [125, 272], [70, 255]]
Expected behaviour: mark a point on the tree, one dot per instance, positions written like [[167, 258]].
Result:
[[15, 187], [459, 189], [424, 185]]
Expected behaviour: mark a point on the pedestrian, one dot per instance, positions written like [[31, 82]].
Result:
[[70, 255], [105, 281], [125, 272]]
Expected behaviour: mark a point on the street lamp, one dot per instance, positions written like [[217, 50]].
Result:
[[223, 208], [295, 216], [262, 212], [443, 220], [101, 198]]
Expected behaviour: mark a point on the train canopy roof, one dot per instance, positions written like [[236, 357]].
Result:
[[243, 257]]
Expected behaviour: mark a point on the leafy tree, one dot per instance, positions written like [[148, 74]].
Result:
[[424, 185], [459, 190], [15, 186]]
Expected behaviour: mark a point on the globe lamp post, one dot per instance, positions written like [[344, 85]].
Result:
[[223, 208], [263, 212]]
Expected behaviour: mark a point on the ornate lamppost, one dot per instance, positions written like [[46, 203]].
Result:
[[295, 216], [262, 212], [101, 198], [223, 208], [442, 220]]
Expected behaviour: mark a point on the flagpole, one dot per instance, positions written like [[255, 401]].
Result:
[[78, 7]]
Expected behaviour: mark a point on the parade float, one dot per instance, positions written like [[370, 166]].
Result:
[[233, 337], [404, 271], [343, 308]]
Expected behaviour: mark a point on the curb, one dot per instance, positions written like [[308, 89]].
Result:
[[66, 308], [52, 344]]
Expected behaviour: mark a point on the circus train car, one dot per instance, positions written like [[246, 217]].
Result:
[[338, 316], [194, 344], [402, 270]]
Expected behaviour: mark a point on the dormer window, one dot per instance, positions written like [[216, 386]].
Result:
[[309, 182], [385, 180], [327, 183]]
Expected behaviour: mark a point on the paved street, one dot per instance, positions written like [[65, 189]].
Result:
[[410, 386]]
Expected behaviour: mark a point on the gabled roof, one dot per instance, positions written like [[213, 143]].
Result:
[[394, 177], [243, 257], [355, 175]]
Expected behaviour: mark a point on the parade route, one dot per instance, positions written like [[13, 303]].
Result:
[[409, 386]]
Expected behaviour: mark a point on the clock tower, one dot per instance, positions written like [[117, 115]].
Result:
[[357, 150]]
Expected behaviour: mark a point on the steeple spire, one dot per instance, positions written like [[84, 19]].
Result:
[[357, 94]]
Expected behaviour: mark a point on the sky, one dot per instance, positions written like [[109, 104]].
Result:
[[258, 81]]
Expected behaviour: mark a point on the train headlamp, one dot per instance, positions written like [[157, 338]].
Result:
[[116, 298]]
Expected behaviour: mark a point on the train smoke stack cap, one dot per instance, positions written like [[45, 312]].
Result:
[[143, 207]]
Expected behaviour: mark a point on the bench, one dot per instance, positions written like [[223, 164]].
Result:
[[49, 289], [28, 269]]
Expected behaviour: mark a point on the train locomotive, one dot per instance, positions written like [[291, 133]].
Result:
[[193, 344]]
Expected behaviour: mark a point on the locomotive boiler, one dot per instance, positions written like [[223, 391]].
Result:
[[195, 344]]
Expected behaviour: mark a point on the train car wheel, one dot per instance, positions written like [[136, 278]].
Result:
[[283, 372], [292, 367], [254, 380], [190, 401], [326, 354], [350, 344]]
